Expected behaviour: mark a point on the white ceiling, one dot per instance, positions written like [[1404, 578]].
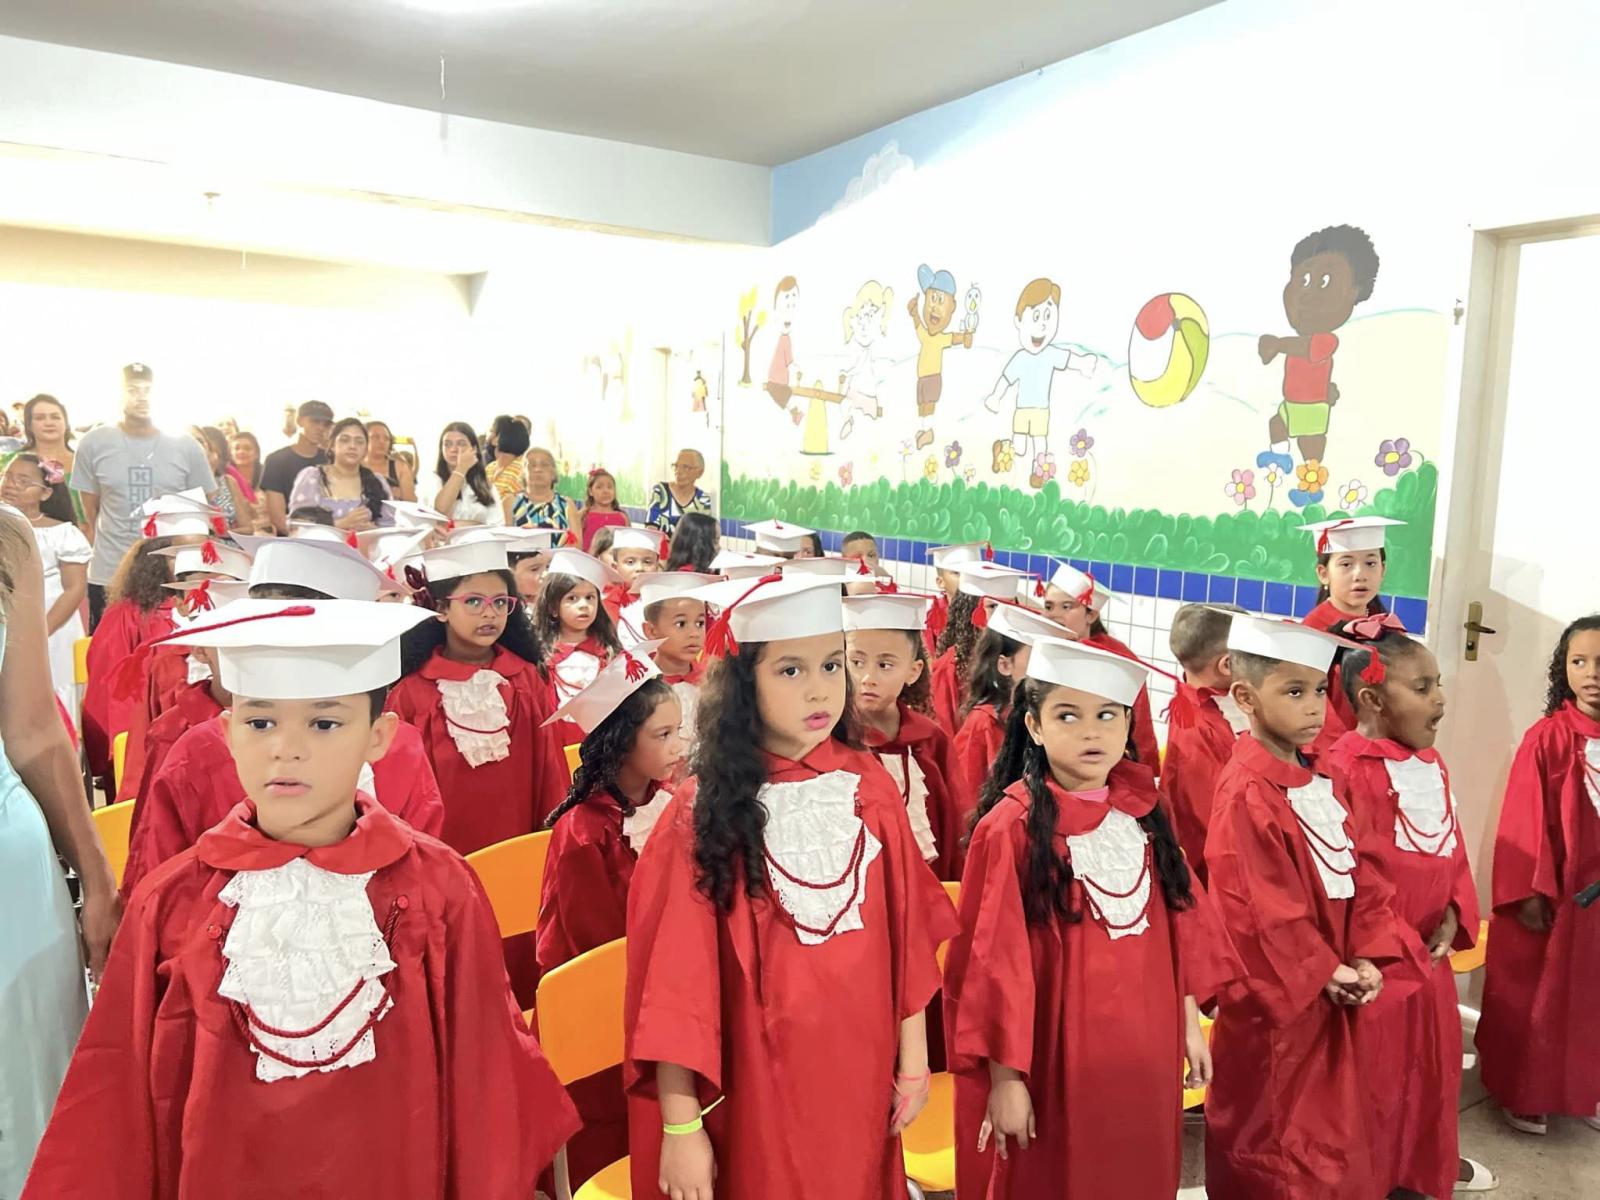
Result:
[[760, 81]]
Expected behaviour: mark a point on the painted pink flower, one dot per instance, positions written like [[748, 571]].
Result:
[[1241, 489], [847, 474]]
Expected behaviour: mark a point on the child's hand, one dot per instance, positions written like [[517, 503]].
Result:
[[1344, 987], [1198, 1052], [1442, 938], [1371, 980], [1010, 1114], [359, 517], [910, 1098], [1535, 915], [1267, 347], [688, 1166]]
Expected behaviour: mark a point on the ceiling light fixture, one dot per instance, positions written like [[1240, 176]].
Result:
[[467, 8]]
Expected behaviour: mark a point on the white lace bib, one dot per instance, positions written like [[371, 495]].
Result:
[[814, 834], [688, 695], [637, 825], [1426, 822], [199, 671], [574, 673], [1591, 771], [1112, 863], [303, 939], [1232, 713], [1322, 820], [912, 785], [476, 717], [630, 625]]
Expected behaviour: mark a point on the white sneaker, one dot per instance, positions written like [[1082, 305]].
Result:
[[1535, 1125], [1482, 1180]]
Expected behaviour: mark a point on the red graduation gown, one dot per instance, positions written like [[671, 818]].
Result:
[[923, 742], [1285, 1113], [802, 1039], [567, 733], [194, 705], [1095, 1025], [498, 800], [1341, 716], [198, 785], [1144, 729], [1199, 744], [458, 1102], [949, 691], [166, 677], [974, 750], [1410, 1048], [122, 630], [1536, 1037]]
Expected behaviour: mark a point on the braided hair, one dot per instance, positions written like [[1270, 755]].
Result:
[[607, 747]]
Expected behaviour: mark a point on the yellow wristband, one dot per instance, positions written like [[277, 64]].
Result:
[[696, 1125]]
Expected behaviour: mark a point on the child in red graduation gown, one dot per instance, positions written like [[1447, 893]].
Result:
[[888, 666], [633, 743], [396, 1064], [782, 930], [575, 633], [1310, 917], [678, 622], [635, 552], [1536, 1040], [1202, 724], [1397, 789], [1072, 991]]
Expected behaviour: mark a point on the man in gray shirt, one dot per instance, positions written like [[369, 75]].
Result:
[[118, 467]]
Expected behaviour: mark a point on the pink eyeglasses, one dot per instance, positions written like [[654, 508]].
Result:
[[477, 604]]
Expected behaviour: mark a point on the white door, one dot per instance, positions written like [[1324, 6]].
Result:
[[1521, 537]]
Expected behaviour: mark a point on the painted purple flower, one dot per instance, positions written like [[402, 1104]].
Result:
[[952, 455], [1394, 456], [1081, 443], [1241, 488]]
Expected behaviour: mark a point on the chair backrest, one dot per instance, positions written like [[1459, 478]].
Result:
[[119, 758], [114, 823], [512, 872], [580, 1012], [574, 758], [80, 661]]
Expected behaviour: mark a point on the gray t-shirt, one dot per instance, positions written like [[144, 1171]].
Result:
[[123, 473]]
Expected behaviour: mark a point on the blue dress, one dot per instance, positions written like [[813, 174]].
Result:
[[43, 999]]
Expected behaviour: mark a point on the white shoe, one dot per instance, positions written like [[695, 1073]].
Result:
[[1482, 1180], [1525, 1124]]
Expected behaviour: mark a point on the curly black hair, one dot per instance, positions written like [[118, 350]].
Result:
[[141, 573], [1349, 241], [694, 543], [730, 772], [1047, 880], [546, 617], [419, 642], [607, 747], [1560, 690], [960, 632], [985, 684]]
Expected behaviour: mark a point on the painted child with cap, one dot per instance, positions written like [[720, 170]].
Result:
[[888, 675], [1310, 917], [981, 586], [635, 551], [678, 622], [1390, 777], [1072, 992], [999, 663], [575, 632], [1536, 1038], [1203, 721], [782, 929], [189, 783], [1075, 599], [310, 1000], [632, 747]]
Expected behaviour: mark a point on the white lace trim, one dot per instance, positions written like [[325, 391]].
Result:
[[476, 704], [688, 695], [812, 829], [303, 938], [1323, 817], [1428, 825], [1232, 713], [630, 625], [1111, 858], [915, 794], [574, 673], [637, 826], [366, 781], [199, 670], [1591, 771]]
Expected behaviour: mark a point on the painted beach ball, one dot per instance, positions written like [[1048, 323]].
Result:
[[1167, 349]]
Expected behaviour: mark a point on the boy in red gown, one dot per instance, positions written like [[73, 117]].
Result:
[[635, 551], [1310, 917], [310, 1001], [678, 622]]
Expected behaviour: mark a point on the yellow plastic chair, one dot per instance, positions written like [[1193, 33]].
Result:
[[512, 873], [574, 758], [929, 1142], [580, 1028], [114, 823], [1464, 962], [1195, 1097], [119, 759]]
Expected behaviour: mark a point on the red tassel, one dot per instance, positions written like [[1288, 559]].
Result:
[[887, 587], [633, 670], [209, 555], [665, 552], [938, 617], [219, 526], [1322, 538], [150, 528], [389, 571], [351, 540], [980, 615], [988, 552], [720, 641], [862, 568], [1038, 589], [1086, 597], [571, 538], [200, 597]]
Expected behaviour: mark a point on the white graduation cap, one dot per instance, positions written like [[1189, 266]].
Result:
[[779, 537], [304, 649], [622, 677], [225, 591], [637, 537], [656, 586], [316, 531], [329, 567], [209, 557], [948, 558], [459, 559], [1080, 585], [565, 560], [1350, 534], [1026, 626], [980, 577], [743, 566], [885, 610], [394, 546], [835, 568], [518, 541], [1284, 640], [753, 611], [181, 514], [415, 516], [1088, 669]]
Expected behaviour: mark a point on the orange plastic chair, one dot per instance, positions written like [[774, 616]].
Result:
[[929, 1142], [119, 758], [1464, 962], [114, 823], [580, 1028], [512, 872]]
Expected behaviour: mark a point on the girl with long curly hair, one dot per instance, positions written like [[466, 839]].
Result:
[[1538, 1056], [782, 929], [981, 586], [1072, 990]]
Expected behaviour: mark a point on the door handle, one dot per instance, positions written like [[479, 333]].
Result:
[[1475, 629]]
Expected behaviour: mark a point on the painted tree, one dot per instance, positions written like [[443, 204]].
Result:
[[750, 320]]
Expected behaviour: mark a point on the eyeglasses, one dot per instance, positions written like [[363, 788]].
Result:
[[477, 604]]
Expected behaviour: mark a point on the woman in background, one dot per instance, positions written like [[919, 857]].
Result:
[[459, 488], [47, 432], [234, 495], [539, 505], [394, 469]]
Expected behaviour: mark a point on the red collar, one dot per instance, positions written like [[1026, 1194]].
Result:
[[695, 674], [197, 704], [831, 755], [564, 650], [503, 663], [1133, 791], [914, 728], [1326, 615], [1273, 769], [1361, 746], [1577, 722], [235, 844]]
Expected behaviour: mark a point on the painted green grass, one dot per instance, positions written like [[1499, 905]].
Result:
[[1249, 543]]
